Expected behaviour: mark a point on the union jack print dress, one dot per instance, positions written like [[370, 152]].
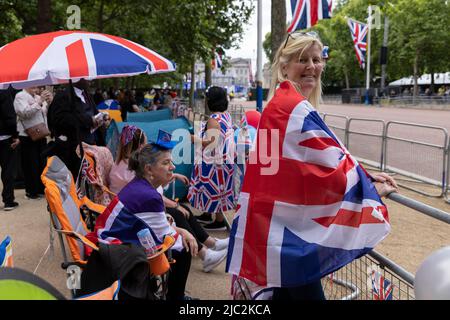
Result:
[[211, 187]]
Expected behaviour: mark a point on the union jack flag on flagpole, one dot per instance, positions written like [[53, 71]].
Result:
[[382, 288], [358, 31], [317, 213], [306, 13], [217, 61]]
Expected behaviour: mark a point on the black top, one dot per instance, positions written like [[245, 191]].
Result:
[[8, 118], [71, 117]]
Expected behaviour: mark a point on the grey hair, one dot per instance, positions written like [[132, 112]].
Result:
[[148, 155]]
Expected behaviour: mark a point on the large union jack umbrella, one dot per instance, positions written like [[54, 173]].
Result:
[[57, 57]]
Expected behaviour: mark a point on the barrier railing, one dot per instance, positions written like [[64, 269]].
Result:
[[359, 280], [418, 165], [447, 174], [339, 124], [422, 162], [371, 149]]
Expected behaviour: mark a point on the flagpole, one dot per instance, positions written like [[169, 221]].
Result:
[[369, 26], [259, 91]]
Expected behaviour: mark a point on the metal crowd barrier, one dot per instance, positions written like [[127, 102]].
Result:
[[354, 281], [426, 171], [341, 130], [447, 173], [370, 150], [434, 169]]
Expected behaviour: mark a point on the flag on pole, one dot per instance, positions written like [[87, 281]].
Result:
[[358, 31], [6, 259], [217, 61], [306, 13], [317, 212]]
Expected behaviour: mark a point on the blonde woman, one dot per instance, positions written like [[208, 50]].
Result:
[[319, 209]]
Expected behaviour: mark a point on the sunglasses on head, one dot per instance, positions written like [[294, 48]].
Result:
[[297, 34]]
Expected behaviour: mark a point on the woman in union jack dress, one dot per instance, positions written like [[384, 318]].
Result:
[[211, 187]]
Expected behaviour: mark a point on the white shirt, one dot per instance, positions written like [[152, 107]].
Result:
[[4, 138], [119, 176], [79, 94]]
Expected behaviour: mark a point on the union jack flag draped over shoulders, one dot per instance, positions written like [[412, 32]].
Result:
[[359, 37], [306, 13], [317, 213]]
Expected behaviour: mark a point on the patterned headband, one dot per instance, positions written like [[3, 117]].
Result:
[[127, 134]]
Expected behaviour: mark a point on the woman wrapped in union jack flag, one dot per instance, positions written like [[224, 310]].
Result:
[[319, 209]]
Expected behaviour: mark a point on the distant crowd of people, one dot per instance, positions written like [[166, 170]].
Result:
[[443, 91], [71, 115]]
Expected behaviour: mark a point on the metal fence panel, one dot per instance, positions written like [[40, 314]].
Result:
[[410, 157], [354, 281], [338, 124], [365, 139]]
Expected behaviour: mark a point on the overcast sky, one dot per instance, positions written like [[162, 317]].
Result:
[[249, 40]]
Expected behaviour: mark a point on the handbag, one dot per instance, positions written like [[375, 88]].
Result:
[[38, 131]]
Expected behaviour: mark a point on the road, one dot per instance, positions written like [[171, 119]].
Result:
[[420, 159]]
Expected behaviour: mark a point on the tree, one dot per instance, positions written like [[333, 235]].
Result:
[[278, 26], [421, 36], [267, 46], [44, 19]]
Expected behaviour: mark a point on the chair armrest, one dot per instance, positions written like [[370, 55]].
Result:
[[78, 237], [98, 208]]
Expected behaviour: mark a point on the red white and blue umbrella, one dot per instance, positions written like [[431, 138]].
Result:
[[57, 57]]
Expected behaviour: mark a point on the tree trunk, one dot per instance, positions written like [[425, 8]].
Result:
[[208, 74], [278, 25], [192, 91], [44, 20], [347, 80], [432, 82], [100, 17]]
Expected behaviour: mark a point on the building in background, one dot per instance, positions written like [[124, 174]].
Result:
[[237, 78], [267, 76]]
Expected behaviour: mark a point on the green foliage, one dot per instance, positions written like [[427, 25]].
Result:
[[182, 31], [267, 45], [417, 28]]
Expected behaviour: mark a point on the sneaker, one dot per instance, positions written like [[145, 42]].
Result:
[[29, 196], [10, 206], [205, 218], [221, 244], [213, 259], [216, 225]]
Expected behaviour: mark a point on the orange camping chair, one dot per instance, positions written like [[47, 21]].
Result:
[[66, 210]]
